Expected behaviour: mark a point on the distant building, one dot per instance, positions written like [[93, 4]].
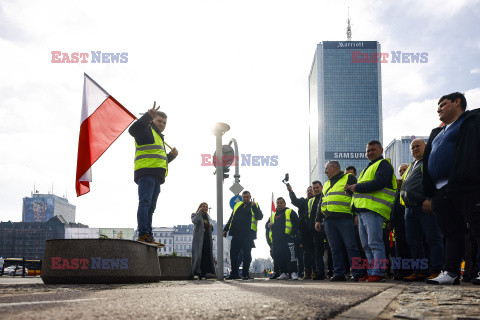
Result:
[[164, 235], [345, 104], [42, 207], [27, 239], [398, 151]]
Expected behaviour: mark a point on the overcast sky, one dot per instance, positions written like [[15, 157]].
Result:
[[245, 63]]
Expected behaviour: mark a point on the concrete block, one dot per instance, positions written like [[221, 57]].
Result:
[[99, 261], [175, 268]]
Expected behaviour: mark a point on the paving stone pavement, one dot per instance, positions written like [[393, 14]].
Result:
[[422, 301]]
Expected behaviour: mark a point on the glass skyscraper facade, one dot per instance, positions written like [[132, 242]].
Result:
[[345, 104]]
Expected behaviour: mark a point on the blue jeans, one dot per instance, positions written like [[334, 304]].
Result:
[[340, 230], [370, 228], [417, 221], [148, 191]]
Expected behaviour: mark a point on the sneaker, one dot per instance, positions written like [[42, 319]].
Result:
[[364, 278], [415, 277], [433, 275], [375, 278], [476, 280], [149, 239], [355, 278], [444, 277], [274, 276], [338, 278], [283, 276], [294, 276], [195, 277], [233, 277]]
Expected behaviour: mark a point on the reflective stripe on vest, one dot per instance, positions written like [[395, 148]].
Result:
[[151, 155], [380, 201], [288, 223], [310, 206], [253, 225], [403, 179], [335, 199]]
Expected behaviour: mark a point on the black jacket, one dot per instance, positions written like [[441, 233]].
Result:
[[242, 221], [142, 132], [302, 205], [412, 187], [465, 173]]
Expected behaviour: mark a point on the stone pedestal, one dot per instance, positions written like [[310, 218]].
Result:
[[99, 261], [175, 268]]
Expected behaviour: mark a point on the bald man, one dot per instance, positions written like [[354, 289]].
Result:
[[420, 219]]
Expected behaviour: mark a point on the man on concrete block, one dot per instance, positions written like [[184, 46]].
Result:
[[151, 167]]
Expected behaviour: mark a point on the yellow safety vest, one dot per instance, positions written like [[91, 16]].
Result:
[[310, 205], [151, 155], [403, 179], [288, 223], [335, 199], [380, 201], [253, 225]]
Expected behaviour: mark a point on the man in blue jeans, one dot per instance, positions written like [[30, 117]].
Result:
[[419, 218], [151, 167], [373, 198], [338, 220]]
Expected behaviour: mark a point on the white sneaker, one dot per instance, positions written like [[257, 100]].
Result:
[[294, 276], [444, 278], [476, 280], [283, 276]]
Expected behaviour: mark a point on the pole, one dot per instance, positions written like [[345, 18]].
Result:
[[219, 208]]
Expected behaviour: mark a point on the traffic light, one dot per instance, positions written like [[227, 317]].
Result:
[[225, 170]]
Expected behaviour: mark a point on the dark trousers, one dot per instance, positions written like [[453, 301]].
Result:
[[319, 246], [308, 250], [276, 270], [284, 256], [245, 245], [299, 254], [452, 214], [418, 223], [401, 247]]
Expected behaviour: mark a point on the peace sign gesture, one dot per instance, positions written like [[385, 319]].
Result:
[[153, 112]]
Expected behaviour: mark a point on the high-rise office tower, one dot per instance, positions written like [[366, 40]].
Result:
[[345, 104]]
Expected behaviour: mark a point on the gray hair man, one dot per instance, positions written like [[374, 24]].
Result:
[[419, 219]]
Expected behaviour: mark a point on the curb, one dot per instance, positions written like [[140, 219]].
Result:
[[371, 308]]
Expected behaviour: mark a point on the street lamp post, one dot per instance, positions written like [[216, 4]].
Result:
[[218, 131]]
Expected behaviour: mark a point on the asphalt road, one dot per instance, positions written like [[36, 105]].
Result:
[[206, 299]]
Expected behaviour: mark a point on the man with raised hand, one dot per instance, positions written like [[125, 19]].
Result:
[[151, 167], [242, 226]]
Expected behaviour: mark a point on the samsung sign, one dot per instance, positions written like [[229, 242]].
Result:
[[345, 155]]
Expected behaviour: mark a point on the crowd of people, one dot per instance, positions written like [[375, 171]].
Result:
[[418, 228], [372, 226]]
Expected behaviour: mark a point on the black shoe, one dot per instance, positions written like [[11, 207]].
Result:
[[356, 278], [233, 277], [338, 278], [245, 277], [319, 277], [274, 276]]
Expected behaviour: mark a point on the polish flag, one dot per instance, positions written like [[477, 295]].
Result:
[[103, 120], [273, 205]]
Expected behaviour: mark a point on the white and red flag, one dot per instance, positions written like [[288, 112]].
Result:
[[103, 120]]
